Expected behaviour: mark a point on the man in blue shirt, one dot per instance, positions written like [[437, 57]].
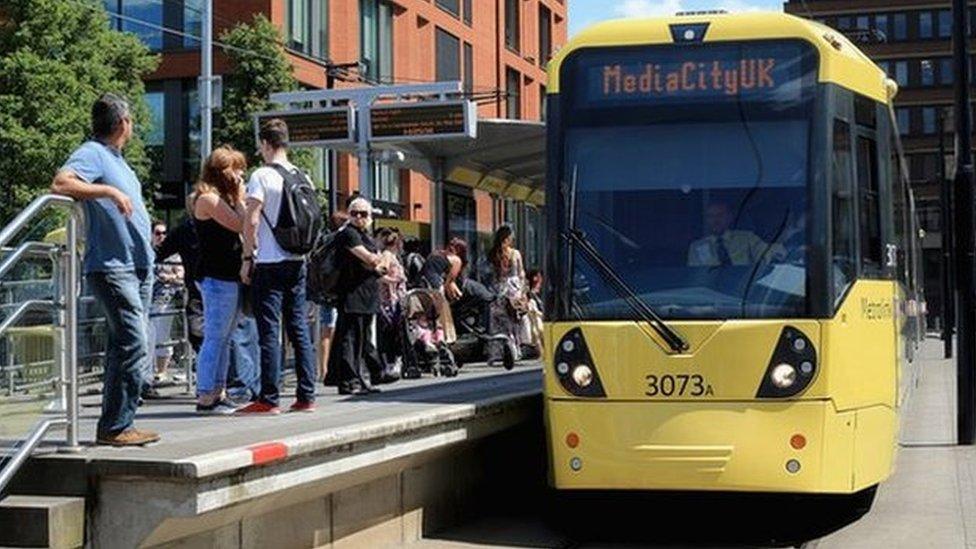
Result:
[[118, 262]]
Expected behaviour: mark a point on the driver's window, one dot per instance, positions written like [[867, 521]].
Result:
[[842, 210]]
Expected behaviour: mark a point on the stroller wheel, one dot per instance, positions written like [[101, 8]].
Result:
[[447, 366], [411, 372], [508, 356]]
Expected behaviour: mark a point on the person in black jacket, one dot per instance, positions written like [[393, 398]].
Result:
[[359, 302], [183, 241]]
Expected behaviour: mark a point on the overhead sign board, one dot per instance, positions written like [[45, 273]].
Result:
[[313, 127], [422, 121]]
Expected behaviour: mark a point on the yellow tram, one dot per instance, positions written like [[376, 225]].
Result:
[[734, 296]]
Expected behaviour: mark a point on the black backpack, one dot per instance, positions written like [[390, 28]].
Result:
[[299, 216], [324, 270]]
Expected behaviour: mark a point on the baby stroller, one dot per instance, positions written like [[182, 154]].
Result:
[[425, 349], [471, 322]]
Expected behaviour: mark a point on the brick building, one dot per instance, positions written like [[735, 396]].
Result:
[[911, 41], [498, 48]]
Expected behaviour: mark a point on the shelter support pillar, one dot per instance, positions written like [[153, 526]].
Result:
[[437, 212]]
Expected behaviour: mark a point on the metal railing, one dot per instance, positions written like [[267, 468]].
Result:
[[67, 283]]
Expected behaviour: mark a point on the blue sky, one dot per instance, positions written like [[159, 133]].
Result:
[[583, 13]]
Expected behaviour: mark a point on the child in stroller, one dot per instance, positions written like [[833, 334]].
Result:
[[425, 345]]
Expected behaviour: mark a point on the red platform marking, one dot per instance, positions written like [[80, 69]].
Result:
[[266, 453]]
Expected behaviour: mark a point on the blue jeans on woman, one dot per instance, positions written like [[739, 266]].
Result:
[[125, 299], [221, 312]]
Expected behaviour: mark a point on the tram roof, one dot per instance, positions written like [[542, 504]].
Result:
[[841, 62]]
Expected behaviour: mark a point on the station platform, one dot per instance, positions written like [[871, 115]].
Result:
[[359, 471]]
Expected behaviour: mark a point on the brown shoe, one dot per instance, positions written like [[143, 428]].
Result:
[[129, 437]]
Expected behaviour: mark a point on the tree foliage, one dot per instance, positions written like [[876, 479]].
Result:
[[260, 68], [56, 58]]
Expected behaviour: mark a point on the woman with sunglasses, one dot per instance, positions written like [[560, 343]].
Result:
[[362, 265]]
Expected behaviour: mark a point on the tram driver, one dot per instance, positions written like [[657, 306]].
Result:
[[725, 246]]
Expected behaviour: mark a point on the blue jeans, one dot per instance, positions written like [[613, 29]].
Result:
[[243, 375], [125, 299], [221, 312], [279, 288]]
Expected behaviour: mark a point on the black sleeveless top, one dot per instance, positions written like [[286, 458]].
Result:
[[435, 270], [220, 251]]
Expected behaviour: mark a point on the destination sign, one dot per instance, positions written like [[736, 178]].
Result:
[[682, 74], [313, 127], [422, 121]]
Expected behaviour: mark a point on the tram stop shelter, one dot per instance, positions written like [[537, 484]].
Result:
[[439, 136], [507, 159]]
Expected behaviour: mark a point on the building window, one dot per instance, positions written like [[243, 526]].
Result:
[[468, 13], [149, 14], [156, 136], [307, 28], [901, 73], [545, 35], [945, 71], [927, 72], [925, 29], [881, 23], [450, 6], [513, 25], [900, 21], [468, 68], [884, 66], [945, 23], [386, 182], [376, 40], [844, 23], [513, 93], [903, 118], [192, 25], [448, 56], [928, 120], [862, 22]]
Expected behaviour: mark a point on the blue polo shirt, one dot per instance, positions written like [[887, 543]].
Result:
[[113, 242]]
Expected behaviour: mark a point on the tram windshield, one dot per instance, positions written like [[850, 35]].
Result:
[[696, 197]]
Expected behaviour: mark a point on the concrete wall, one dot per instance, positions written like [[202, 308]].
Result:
[[386, 506]]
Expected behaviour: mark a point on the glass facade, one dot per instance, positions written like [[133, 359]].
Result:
[[308, 27]]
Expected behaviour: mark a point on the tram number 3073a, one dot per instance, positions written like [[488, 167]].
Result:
[[677, 385]]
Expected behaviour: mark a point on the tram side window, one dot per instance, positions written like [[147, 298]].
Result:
[[870, 210], [842, 210]]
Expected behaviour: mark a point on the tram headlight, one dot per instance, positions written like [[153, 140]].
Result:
[[783, 376], [583, 375], [792, 368], [574, 366]]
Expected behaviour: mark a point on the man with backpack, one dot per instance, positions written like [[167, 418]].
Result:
[[281, 224]]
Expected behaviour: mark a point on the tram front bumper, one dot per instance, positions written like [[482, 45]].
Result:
[[799, 447]]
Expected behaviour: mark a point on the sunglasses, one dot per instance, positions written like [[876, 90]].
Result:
[[359, 213]]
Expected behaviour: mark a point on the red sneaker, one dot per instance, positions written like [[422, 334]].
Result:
[[302, 406], [259, 408]]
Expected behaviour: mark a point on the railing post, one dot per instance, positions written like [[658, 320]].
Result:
[[59, 261], [72, 278]]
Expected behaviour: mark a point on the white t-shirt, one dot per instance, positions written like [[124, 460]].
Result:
[[265, 186]]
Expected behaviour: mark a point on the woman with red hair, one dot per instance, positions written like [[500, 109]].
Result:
[[218, 211]]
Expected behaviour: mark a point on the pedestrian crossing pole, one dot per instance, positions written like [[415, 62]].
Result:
[[963, 198], [206, 82]]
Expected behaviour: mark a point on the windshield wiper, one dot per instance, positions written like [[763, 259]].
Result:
[[578, 240]]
